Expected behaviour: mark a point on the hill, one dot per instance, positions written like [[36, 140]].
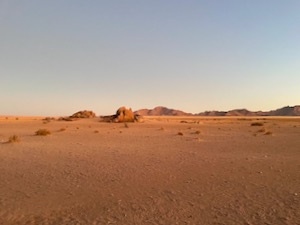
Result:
[[285, 111], [161, 111], [164, 111]]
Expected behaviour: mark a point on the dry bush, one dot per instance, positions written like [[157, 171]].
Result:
[[180, 133], [96, 131], [262, 130], [13, 139], [65, 119], [268, 133], [162, 128], [62, 129], [257, 124], [42, 132], [197, 132], [48, 119]]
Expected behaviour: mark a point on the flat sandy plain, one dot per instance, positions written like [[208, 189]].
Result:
[[219, 171]]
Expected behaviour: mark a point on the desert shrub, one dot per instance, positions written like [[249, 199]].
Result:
[[42, 132], [257, 124], [162, 128], [261, 130], [96, 131], [197, 132], [62, 129], [65, 119], [13, 139], [268, 133], [180, 133]]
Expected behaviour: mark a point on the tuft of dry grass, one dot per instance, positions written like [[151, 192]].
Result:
[[62, 129], [96, 131], [42, 132], [257, 124], [262, 130], [48, 119], [126, 125], [197, 132], [13, 139], [180, 133], [268, 133], [162, 128]]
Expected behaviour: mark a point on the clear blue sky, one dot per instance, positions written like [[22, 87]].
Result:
[[58, 57]]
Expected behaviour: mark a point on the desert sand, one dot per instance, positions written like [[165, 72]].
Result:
[[166, 170]]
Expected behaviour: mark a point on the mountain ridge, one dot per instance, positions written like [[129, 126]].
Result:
[[164, 111]]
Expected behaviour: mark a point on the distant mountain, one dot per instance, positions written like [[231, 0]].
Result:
[[285, 111], [163, 111], [235, 112]]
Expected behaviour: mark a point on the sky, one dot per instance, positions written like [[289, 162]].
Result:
[[58, 57]]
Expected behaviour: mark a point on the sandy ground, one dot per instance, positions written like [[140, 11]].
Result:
[[219, 171]]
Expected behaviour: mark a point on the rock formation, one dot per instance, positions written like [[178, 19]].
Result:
[[83, 114], [123, 115]]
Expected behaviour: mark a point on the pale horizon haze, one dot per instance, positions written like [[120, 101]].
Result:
[[59, 57]]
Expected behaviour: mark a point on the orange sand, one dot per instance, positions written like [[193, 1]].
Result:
[[104, 173]]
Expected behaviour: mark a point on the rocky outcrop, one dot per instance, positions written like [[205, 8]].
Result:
[[84, 114], [123, 115]]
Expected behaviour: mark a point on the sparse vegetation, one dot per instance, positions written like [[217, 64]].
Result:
[[268, 133], [180, 133], [65, 119], [42, 132], [96, 131], [48, 120], [197, 132], [62, 129], [261, 130], [257, 124], [13, 139]]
